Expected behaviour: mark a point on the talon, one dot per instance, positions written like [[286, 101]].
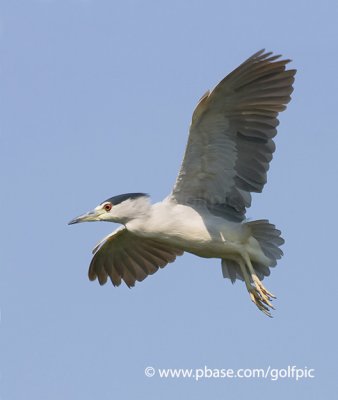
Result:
[[258, 301], [266, 300], [262, 287], [264, 297], [259, 295]]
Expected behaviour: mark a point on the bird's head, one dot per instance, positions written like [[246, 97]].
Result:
[[120, 209]]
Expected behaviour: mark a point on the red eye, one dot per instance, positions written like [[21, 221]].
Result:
[[107, 207]]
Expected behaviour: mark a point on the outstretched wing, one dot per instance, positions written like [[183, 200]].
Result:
[[125, 256], [230, 141]]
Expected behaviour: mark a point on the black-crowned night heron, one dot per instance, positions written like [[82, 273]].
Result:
[[227, 157]]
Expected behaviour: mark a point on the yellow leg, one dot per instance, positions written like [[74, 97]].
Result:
[[260, 296]]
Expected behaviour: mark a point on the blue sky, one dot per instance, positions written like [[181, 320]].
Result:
[[96, 100]]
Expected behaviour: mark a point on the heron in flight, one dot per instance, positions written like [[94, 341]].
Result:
[[227, 157]]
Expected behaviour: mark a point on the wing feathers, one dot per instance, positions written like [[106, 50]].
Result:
[[230, 141], [124, 256]]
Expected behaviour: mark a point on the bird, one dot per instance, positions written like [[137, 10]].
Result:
[[230, 146]]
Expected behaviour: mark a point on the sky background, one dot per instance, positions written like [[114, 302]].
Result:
[[96, 100]]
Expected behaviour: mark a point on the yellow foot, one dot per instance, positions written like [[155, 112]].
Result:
[[262, 288], [258, 293], [261, 300]]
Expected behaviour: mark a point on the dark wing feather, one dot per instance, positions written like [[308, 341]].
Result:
[[123, 256], [230, 142]]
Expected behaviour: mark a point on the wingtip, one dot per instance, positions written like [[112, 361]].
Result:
[[268, 56]]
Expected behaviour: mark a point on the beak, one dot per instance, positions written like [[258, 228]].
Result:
[[88, 217]]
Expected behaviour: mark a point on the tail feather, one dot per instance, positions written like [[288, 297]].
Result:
[[231, 270], [261, 270], [269, 240]]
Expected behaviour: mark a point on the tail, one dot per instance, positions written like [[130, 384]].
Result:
[[254, 263], [269, 240]]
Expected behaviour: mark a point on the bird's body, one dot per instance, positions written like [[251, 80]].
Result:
[[192, 230], [227, 157]]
